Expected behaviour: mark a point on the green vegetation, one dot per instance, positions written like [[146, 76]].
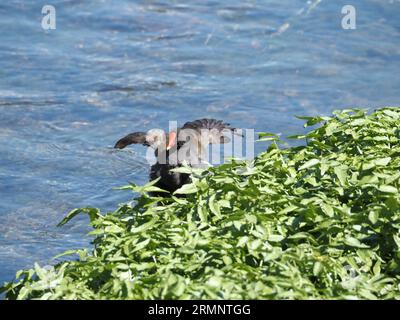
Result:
[[320, 221]]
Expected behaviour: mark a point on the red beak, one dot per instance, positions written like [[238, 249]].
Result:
[[171, 140]]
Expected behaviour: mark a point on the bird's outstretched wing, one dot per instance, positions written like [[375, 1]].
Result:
[[207, 124], [215, 127], [132, 138]]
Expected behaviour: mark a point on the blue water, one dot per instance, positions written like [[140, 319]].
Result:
[[113, 67]]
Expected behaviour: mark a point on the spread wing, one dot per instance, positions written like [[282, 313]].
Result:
[[132, 138], [215, 127], [206, 124]]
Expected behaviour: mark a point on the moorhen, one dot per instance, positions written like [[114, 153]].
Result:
[[186, 144]]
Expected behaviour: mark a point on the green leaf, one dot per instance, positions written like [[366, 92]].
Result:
[[214, 206], [141, 245], [145, 226], [383, 161], [388, 189], [309, 164], [93, 213], [373, 216], [341, 173], [187, 189], [377, 268], [66, 253], [353, 242], [317, 268], [275, 238], [327, 209]]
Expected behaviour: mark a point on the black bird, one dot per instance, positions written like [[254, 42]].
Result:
[[188, 143]]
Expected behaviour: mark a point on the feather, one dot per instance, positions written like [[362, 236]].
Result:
[[132, 138]]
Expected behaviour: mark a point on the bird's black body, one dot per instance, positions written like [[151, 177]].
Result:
[[172, 181]]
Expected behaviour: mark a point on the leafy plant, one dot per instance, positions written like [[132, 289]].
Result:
[[319, 221]]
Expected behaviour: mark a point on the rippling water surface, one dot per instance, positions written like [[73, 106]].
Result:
[[113, 67]]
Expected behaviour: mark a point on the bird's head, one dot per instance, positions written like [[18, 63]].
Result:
[[156, 138]]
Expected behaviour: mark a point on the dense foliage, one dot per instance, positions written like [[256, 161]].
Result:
[[320, 221]]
